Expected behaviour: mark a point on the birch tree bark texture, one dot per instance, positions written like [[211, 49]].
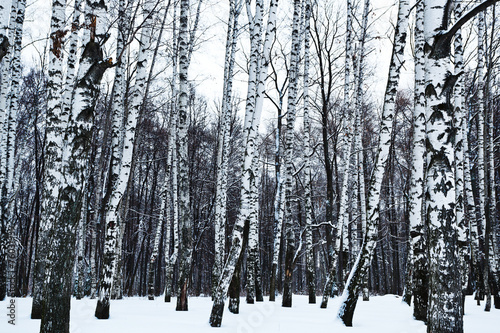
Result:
[[417, 254], [443, 313], [289, 141], [445, 291], [256, 85], [75, 153], [9, 103], [54, 133], [123, 151], [360, 269], [310, 263], [223, 144], [185, 218]]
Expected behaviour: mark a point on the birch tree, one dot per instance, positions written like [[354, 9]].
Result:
[[55, 125], [359, 130], [185, 218], [289, 141], [346, 147], [360, 268], [459, 122], [310, 264], [223, 144], [481, 181], [256, 85], [123, 148], [75, 153], [9, 103], [419, 284], [444, 283]]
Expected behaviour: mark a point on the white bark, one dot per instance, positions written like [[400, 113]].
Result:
[[250, 130], [185, 218], [293, 77], [55, 126], [223, 144], [345, 143], [310, 271], [125, 156], [360, 269], [418, 256], [459, 120]]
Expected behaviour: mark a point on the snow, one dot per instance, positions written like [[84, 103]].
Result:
[[381, 314]]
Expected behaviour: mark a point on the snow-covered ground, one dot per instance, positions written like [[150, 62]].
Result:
[[381, 314]]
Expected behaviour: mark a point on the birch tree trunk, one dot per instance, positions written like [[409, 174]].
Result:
[[124, 144], [172, 158], [459, 120], [310, 263], [444, 283], [76, 150], [55, 126], [360, 268], [253, 235], [359, 134], [418, 242], [345, 143], [9, 106], [223, 144], [250, 130], [481, 166], [185, 218], [289, 141]]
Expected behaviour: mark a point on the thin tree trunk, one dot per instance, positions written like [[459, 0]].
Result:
[[346, 147], [289, 141], [185, 216], [124, 143], [360, 269], [308, 207], [251, 123], [481, 163], [419, 277], [223, 144], [459, 120]]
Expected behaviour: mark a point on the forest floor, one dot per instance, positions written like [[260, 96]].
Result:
[[381, 314]]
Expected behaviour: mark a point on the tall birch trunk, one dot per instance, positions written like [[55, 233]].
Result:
[[289, 141], [121, 170], [481, 178], [223, 144], [185, 218], [459, 120], [310, 264], [9, 105], [345, 143], [359, 135], [170, 259], [418, 244], [55, 125], [444, 283], [360, 268], [250, 128], [75, 154]]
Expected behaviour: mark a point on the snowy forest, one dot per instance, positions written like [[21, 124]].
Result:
[[323, 159]]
